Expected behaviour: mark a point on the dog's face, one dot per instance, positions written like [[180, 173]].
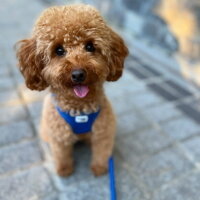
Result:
[[71, 48]]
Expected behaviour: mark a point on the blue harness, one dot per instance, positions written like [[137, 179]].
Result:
[[80, 124]]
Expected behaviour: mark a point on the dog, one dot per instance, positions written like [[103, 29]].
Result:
[[72, 51]]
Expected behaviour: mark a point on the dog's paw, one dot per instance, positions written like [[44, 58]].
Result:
[[99, 170], [65, 171]]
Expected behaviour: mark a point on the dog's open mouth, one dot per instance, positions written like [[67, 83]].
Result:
[[81, 90]]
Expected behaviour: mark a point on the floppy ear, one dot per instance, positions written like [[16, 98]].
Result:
[[118, 53], [31, 64]]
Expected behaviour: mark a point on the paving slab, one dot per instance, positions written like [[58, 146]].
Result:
[[123, 87], [161, 168], [193, 148], [30, 184], [131, 122], [19, 156], [185, 189], [15, 132], [36, 124], [181, 128], [35, 109], [6, 83], [143, 143], [146, 99], [4, 71], [162, 113], [53, 196], [9, 97], [12, 113]]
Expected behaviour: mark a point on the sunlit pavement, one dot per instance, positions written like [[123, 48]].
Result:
[[157, 151]]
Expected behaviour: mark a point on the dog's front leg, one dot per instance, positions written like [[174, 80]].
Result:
[[101, 151], [62, 155], [102, 140]]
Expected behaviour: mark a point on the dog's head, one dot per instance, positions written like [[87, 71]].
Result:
[[71, 48]]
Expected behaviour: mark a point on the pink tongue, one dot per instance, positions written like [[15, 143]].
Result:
[[81, 90]]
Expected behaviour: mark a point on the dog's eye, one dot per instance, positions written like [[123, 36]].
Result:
[[60, 51], [89, 47]]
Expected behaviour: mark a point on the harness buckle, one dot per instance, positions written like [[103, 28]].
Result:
[[81, 119]]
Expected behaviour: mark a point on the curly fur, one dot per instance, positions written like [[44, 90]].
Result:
[[73, 26]]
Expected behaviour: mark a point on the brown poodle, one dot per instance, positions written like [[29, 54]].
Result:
[[73, 52]]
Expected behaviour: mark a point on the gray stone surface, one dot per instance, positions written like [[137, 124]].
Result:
[[35, 109], [30, 184], [130, 122], [89, 190], [53, 196], [19, 156], [4, 71], [9, 97], [161, 168], [142, 143], [146, 99], [128, 191], [185, 189], [162, 113], [127, 187], [15, 132], [125, 90], [36, 124], [6, 83], [127, 84], [12, 113], [181, 128], [193, 148]]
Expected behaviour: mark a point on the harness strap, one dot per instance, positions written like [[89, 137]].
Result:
[[80, 124]]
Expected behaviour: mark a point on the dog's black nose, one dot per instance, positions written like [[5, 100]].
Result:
[[78, 75]]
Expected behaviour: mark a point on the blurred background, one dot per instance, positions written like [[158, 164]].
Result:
[[157, 149]]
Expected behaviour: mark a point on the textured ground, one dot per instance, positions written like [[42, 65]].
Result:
[[157, 151]]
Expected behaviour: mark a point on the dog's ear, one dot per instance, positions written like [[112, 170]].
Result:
[[118, 52], [31, 64]]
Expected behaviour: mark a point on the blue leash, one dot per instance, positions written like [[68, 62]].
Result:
[[113, 194]]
